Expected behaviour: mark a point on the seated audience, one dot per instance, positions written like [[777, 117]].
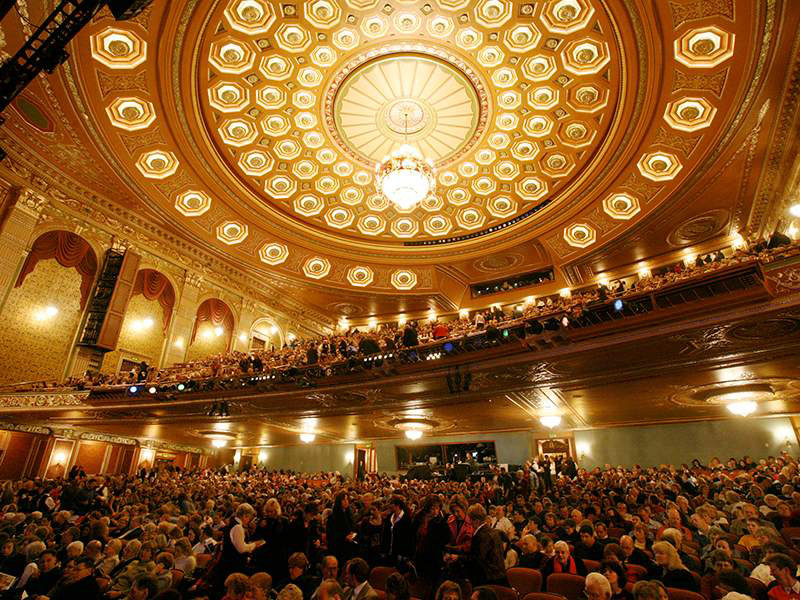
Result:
[[128, 543], [673, 574], [563, 562]]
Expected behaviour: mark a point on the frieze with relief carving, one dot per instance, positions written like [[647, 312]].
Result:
[[53, 400], [111, 439], [785, 281], [700, 9], [25, 428]]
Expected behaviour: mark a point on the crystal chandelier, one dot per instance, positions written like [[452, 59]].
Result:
[[404, 177]]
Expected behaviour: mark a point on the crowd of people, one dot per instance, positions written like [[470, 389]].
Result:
[[390, 338], [715, 529]]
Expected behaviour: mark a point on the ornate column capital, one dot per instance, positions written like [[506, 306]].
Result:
[[121, 245], [31, 202], [193, 279]]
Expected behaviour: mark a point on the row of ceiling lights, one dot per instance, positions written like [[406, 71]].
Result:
[[415, 431]]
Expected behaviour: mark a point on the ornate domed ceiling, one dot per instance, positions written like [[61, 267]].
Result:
[[579, 134], [507, 112]]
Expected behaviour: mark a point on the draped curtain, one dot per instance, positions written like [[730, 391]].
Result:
[[155, 286], [70, 250], [215, 312]]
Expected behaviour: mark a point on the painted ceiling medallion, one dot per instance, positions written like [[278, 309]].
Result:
[[403, 279], [430, 99], [274, 253], [119, 49], [317, 267], [192, 203], [580, 235], [360, 276]]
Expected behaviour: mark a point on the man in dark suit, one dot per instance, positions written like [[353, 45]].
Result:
[[563, 562], [356, 574], [485, 558]]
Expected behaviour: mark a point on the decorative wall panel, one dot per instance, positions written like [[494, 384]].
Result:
[[36, 343]]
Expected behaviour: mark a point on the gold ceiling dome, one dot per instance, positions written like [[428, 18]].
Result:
[[328, 92], [554, 127]]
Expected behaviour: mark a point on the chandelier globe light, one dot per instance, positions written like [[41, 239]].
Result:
[[405, 178], [742, 408], [550, 421], [413, 434]]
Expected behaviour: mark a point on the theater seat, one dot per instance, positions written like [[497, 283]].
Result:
[[543, 596], [567, 585], [745, 564], [525, 581], [616, 532], [758, 589], [635, 573], [791, 535], [592, 565], [379, 575], [502, 592], [677, 594]]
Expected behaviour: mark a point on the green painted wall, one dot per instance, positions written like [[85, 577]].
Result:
[[645, 445], [310, 458], [680, 443]]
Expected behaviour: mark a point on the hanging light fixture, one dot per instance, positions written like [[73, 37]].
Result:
[[742, 408], [550, 421], [404, 177]]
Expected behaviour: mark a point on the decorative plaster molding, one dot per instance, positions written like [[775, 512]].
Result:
[[110, 219], [43, 400], [26, 428], [111, 439]]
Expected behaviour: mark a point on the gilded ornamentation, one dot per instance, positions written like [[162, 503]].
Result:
[[700, 9], [685, 143], [52, 400], [699, 228], [759, 390], [109, 216], [642, 188], [111, 439], [135, 141], [31, 202], [35, 348], [704, 340], [714, 82], [24, 427], [785, 281], [768, 191]]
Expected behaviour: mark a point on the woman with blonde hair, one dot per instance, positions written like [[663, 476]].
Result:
[[673, 573]]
